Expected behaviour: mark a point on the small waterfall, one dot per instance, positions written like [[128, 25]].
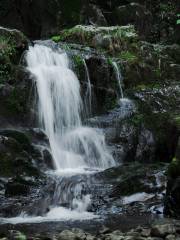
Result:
[[89, 90], [126, 106], [119, 78]]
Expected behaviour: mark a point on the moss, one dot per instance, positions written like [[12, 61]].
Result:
[[56, 38], [120, 36], [143, 87], [78, 64], [78, 60], [7, 50]]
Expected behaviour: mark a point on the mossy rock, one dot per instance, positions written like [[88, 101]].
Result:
[[12, 44], [96, 36]]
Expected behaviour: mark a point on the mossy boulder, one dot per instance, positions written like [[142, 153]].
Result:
[[15, 83], [12, 44], [105, 38]]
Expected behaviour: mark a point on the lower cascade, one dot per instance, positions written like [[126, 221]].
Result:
[[77, 150]]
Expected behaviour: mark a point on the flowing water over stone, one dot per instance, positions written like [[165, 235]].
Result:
[[119, 78], [77, 150], [88, 94]]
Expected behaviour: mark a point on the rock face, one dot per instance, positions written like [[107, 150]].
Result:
[[154, 90], [155, 21], [15, 84]]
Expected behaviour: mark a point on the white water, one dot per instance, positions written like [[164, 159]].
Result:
[[60, 107], [89, 90], [119, 78], [55, 214], [76, 149], [126, 106]]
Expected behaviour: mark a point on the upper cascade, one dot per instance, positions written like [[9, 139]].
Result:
[[60, 106]]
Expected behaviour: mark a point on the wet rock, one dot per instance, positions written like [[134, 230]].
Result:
[[116, 235], [145, 232], [162, 230], [74, 235], [130, 188], [48, 159], [170, 237]]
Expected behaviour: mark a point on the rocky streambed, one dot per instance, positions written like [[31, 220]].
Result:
[[167, 229]]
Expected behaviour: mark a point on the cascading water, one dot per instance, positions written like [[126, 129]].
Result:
[[77, 150], [88, 95], [126, 106], [73, 146], [119, 78]]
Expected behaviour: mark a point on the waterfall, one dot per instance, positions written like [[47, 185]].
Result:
[[60, 106], [89, 90], [77, 150], [125, 106], [119, 78]]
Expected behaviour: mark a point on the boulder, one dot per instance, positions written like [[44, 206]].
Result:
[[162, 230]]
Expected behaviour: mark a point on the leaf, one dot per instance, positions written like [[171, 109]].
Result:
[[178, 21]]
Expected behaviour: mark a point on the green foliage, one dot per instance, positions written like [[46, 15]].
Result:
[[7, 47], [128, 56], [78, 61], [56, 38], [110, 61], [20, 236], [143, 87], [78, 64]]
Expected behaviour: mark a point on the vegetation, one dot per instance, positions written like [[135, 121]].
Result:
[[128, 56], [56, 38], [7, 50]]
